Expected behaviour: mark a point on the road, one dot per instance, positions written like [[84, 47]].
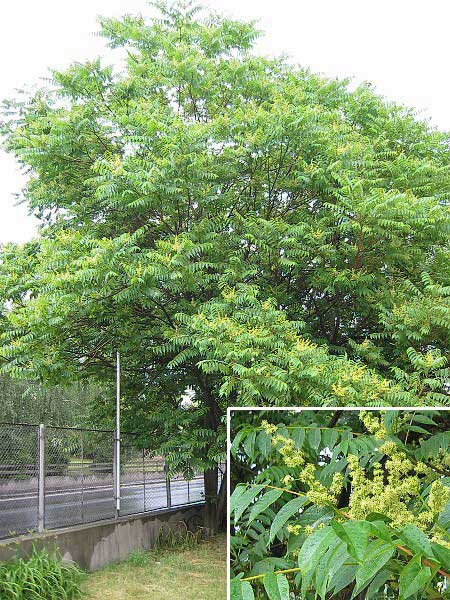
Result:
[[75, 506]]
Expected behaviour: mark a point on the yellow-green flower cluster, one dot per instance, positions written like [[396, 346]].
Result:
[[438, 497], [373, 424], [269, 428], [440, 459], [393, 489], [445, 459], [389, 448], [423, 469], [337, 483], [318, 493], [295, 529], [376, 495], [291, 456], [288, 480]]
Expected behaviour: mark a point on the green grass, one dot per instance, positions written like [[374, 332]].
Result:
[[195, 572]]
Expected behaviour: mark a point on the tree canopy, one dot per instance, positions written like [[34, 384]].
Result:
[[340, 505], [235, 225]]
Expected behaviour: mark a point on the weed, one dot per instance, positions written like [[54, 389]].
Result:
[[170, 537], [38, 577], [138, 558]]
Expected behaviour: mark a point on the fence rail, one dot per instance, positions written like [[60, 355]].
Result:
[[52, 477]]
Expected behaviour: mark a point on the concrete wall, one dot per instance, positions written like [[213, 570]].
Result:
[[103, 542]]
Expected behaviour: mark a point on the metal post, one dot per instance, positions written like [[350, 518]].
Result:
[[143, 474], [82, 477], [168, 490], [41, 479], [117, 439]]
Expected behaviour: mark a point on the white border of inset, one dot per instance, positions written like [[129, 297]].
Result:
[[231, 409]]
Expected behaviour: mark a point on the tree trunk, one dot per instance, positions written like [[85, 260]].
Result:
[[215, 509], [222, 504], [211, 483], [216, 501]]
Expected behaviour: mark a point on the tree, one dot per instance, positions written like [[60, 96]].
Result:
[[340, 505], [236, 226], [32, 402]]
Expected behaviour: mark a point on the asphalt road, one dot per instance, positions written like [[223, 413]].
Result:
[[75, 506]]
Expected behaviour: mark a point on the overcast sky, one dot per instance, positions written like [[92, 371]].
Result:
[[401, 46]]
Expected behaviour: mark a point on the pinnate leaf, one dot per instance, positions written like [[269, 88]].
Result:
[[416, 540], [378, 554], [413, 578], [264, 502], [355, 535], [245, 499], [241, 590], [276, 586], [282, 516]]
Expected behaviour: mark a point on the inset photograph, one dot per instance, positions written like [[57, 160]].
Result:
[[339, 504]]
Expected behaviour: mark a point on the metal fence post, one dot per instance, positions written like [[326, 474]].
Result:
[[116, 473], [117, 440], [168, 490], [41, 479], [143, 476], [82, 476]]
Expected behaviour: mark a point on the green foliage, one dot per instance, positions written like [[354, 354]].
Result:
[[241, 590], [40, 576], [236, 226], [308, 519], [276, 586], [31, 402]]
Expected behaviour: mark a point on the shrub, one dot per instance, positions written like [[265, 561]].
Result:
[[40, 576]]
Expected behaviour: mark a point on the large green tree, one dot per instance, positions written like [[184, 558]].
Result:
[[235, 226]]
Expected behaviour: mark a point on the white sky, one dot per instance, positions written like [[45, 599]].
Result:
[[402, 46]]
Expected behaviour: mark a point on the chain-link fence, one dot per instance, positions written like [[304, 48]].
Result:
[[19, 469], [143, 479], [78, 476], [53, 477]]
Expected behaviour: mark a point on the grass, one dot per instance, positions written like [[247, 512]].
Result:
[[40, 576], [196, 572]]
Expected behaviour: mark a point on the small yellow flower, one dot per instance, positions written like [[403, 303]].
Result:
[[295, 529], [287, 480], [339, 390], [268, 427], [373, 424]]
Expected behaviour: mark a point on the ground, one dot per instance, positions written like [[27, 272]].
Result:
[[197, 573]]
